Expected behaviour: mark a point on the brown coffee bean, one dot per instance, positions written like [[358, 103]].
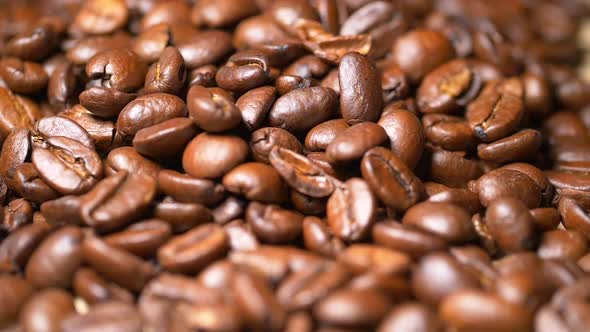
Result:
[[320, 136], [14, 292], [264, 139], [448, 132], [301, 173], [16, 248], [471, 310], [217, 14], [166, 12], [168, 74], [410, 316], [406, 135], [361, 258], [318, 237], [205, 48], [216, 317], [30, 186], [448, 87], [461, 197], [103, 132], [212, 111], [62, 86], [117, 200], [352, 143], [19, 113], [142, 238], [119, 69], [497, 111], [101, 16], [448, 221], [522, 145], [511, 225], [192, 251], [570, 185], [420, 51], [128, 159], [453, 168], [546, 219], [230, 151], [95, 289], [182, 216], [230, 209], [358, 77], [273, 224], [562, 244], [33, 44], [117, 265], [23, 76], [258, 31], [184, 188], [352, 308], [390, 179], [302, 109], [165, 139], [152, 41], [112, 315], [573, 216], [57, 258], [46, 310], [257, 182], [244, 71], [58, 126], [84, 49], [407, 239], [507, 183], [303, 289], [255, 105], [351, 210], [16, 214], [149, 110], [240, 236], [288, 83], [203, 76]]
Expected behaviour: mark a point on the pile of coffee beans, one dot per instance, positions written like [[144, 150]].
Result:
[[293, 165]]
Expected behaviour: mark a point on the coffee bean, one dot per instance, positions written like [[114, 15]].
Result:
[[127, 159], [212, 110], [14, 292], [448, 132], [112, 315], [351, 210], [222, 13], [244, 71], [410, 316], [358, 77], [264, 139], [102, 132], [165, 139], [172, 12], [511, 224], [574, 217], [205, 47], [182, 216], [255, 105], [361, 258], [230, 151], [411, 240], [149, 110], [318, 237], [241, 236], [522, 145], [448, 221], [16, 248], [142, 238], [192, 251], [257, 182], [16, 214], [118, 69], [95, 289], [34, 43], [562, 244], [23, 76], [58, 126], [302, 109], [352, 143], [273, 224], [184, 188], [320, 136], [101, 16], [507, 183], [453, 168], [46, 310], [231, 208], [20, 113], [350, 308], [406, 135], [168, 74]]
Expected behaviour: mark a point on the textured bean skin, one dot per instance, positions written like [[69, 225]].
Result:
[[358, 77]]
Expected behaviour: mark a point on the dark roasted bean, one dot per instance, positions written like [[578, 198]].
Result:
[[359, 80], [351, 210]]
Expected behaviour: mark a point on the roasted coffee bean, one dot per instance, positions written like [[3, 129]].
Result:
[[244, 71], [264, 139], [212, 111], [16, 248], [59, 126], [511, 225], [308, 205], [406, 135], [67, 165], [472, 310], [408, 239], [240, 236], [318, 237], [23, 76], [273, 224], [562, 244], [167, 75], [95, 289], [165, 139], [288, 83], [522, 145], [448, 87], [16, 214], [56, 259], [230, 209], [184, 188], [149, 110], [84, 49], [351, 210], [574, 216], [358, 77], [303, 289], [301, 173], [182, 216], [14, 293], [412, 316], [390, 179], [217, 317], [503, 182], [489, 45], [128, 159], [222, 13], [112, 315], [320, 136], [62, 86], [30, 186], [448, 132], [302, 109], [546, 219], [203, 76], [230, 151], [420, 51], [453, 168], [103, 132], [19, 113], [352, 143], [192, 251], [117, 265], [118, 69], [255, 105], [117, 200], [569, 185], [448, 221], [497, 111], [142, 238], [46, 310], [205, 47], [257, 182], [101, 16], [350, 308], [170, 12], [33, 44]]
